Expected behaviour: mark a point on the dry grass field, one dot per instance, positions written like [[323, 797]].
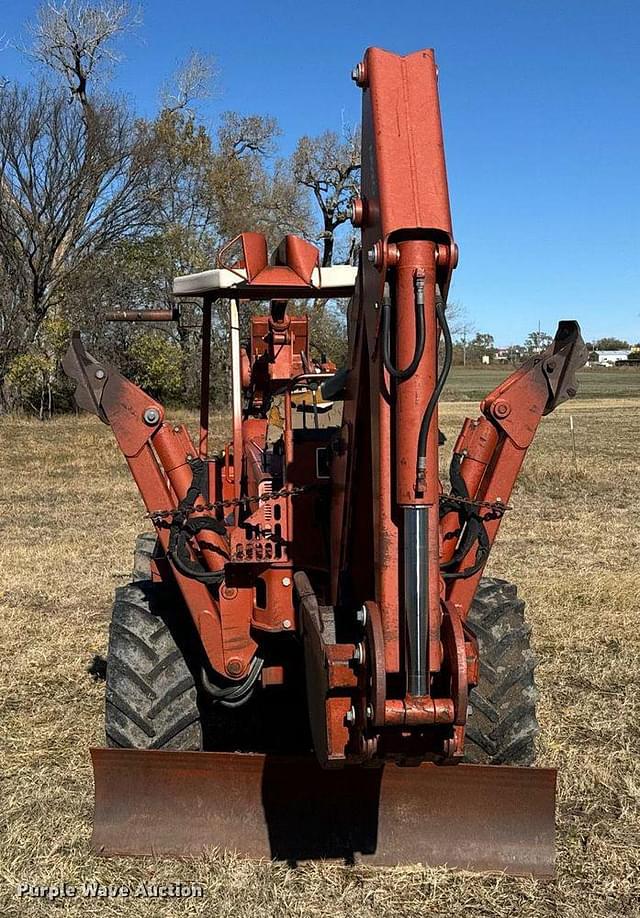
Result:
[[68, 517]]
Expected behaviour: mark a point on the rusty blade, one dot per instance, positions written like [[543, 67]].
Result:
[[468, 816]]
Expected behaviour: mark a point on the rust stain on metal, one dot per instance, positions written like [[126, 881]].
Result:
[[490, 818]]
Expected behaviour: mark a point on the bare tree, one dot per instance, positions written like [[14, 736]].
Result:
[[193, 80], [73, 177], [68, 191], [76, 38], [329, 166], [461, 328], [458, 320], [248, 193], [241, 134]]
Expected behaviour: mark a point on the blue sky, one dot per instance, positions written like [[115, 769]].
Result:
[[540, 106]]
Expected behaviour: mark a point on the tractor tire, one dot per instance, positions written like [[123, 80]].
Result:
[[142, 555], [151, 693], [502, 724]]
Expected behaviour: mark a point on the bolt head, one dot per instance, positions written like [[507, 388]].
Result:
[[100, 374], [358, 75], [286, 581], [151, 416], [286, 623], [371, 256], [234, 666], [361, 616], [350, 716], [501, 409], [370, 712]]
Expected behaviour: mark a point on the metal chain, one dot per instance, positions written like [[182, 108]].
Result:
[[496, 506], [233, 502]]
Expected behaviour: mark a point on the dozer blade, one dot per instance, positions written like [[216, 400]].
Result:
[[467, 816]]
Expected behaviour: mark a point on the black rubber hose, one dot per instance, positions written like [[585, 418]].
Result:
[[178, 550], [178, 554], [437, 392], [470, 522], [472, 529], [418, 295], [236, 694], [482, 553], [458, 484]]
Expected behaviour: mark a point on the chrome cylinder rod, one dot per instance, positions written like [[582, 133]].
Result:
[[236, 394], [416, 596]]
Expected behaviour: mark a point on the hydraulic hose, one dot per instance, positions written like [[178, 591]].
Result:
[[435, 395], [472, 524], [183, 527], [407, 373], [178, 551], [237, 694], [482, 553]]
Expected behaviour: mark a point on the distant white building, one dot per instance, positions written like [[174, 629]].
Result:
[[506, 354], [608, 358]]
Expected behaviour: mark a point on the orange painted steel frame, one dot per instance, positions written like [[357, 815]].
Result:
[[406, 232], [405, 221], [401, 690]]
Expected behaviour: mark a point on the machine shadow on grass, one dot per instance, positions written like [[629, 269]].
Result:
[[310, 812]]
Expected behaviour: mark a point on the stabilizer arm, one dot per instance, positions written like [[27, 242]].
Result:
[[162, 460], [489, 454]]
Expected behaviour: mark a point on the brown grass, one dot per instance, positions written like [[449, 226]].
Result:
[[68, 516]]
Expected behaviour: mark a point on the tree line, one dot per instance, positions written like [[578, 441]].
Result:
[[100, 209], [472, 348]]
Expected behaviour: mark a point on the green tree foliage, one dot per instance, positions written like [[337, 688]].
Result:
[[537, 341], [27, 379], [34, 379], [610, 344], [482, 345], [251, 188], [155, 363], [328, 333]]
